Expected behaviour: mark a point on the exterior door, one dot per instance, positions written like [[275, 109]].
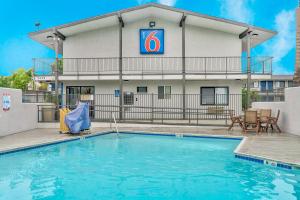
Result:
[[83, 94]]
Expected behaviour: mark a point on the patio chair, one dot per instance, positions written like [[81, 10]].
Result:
[[251, 122], [273, 121], [265, 115], [235, 120]]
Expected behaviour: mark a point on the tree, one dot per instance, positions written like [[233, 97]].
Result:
[[253, 97], [20, 79], [5, 81]]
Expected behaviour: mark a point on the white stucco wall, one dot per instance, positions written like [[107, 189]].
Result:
[[192, 87], [20, 117], [104, 42], [131, 38], [290, 110], [202, 42], [93, 44]]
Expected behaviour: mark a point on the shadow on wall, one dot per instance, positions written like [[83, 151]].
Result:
[[290, 109]]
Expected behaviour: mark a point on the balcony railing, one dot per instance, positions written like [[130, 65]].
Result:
[[152, 66]]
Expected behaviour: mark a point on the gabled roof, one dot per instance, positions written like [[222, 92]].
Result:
[[152, 10]]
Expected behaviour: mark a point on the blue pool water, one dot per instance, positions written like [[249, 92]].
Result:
[[131, 166]]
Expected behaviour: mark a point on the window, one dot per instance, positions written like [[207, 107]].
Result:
[[270, 86], [282, 84], [214, 95], [263, 86], [142, 89], [290, 83], [164, 92], [128, 98], [254, 84]]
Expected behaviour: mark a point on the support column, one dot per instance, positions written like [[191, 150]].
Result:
[[121, 25], [248, 68], [56, 47], [58, 38], [182, 25]]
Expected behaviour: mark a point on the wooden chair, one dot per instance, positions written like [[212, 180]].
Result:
[[273, 121], [235, 120], [251, 122], [265, 115]]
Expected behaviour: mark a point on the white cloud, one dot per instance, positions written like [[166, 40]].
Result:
[[143, 1], [165, 2], [168, 2], [284, 42], [238, 10]]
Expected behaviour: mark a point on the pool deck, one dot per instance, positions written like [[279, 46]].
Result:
[[282, 147]]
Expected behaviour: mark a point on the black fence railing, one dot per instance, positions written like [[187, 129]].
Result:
[[211, 116], [149, 108], [152, 66]]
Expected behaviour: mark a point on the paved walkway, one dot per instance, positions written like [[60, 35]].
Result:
[[278, 147]]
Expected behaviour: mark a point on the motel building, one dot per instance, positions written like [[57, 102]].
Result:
[[152, 62]]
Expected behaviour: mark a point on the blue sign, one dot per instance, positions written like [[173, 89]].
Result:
[[152, 41], [117, 93]]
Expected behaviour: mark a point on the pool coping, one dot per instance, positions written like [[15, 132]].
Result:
[[263, 159], [237, 154]]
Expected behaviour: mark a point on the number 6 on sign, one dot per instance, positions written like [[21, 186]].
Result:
[[151, 41]]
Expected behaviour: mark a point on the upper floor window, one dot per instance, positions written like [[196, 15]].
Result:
[[266, 86], [141, 89], [280, 84], [214, 96], [164, 92]]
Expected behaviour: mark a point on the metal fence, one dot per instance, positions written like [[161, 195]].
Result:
[[152, 65], [151, 108]]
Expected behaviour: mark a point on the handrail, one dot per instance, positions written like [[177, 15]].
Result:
[[153, 65], [115, 122]]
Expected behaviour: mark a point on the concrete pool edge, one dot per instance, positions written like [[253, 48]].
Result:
[[237, 154], [43, 144], [263, 159]]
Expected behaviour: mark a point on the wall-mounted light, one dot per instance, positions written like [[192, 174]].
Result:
[[151, 24]]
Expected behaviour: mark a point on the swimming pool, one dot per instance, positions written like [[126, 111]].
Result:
[[131, 166]]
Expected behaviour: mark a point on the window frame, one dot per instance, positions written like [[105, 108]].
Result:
[[164, 92], [214, 104], [138, 92]]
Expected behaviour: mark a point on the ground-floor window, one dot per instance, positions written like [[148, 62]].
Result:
[[214, 95], [128, 98], [74, 94], [142, 89], [164, 92]]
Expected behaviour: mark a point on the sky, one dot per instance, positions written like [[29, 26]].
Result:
[[17, 19]]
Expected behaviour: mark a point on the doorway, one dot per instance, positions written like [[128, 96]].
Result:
[[81, 93]]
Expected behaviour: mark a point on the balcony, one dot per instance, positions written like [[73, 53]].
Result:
[[151, 67]]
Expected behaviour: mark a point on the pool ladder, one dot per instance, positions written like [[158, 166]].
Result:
[[115, 123]]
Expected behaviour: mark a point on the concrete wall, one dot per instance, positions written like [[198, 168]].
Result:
[[192, 87], [290, 110], [93, 44], [200, 42], [20, 117]]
